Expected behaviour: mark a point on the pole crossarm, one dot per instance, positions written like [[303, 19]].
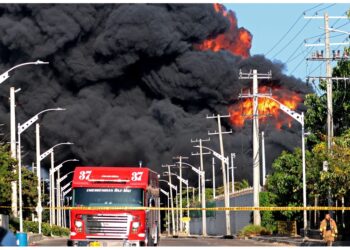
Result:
[[322, 17], [326, 77], [250, 75], [323, 44]]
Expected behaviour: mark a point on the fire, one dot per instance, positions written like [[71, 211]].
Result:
[[267, 108], [236, 40]]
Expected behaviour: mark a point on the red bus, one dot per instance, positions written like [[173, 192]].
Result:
[[108, 187]]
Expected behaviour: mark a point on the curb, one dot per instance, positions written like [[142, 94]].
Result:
[[289, 242], [32, 238]]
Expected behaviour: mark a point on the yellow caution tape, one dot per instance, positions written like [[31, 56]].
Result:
[[197, 208]]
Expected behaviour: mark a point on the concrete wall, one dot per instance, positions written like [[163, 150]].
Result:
[[216, 225]]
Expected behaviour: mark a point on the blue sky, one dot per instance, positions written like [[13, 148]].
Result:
[[269, 22]]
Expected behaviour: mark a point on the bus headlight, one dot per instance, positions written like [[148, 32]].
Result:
[[135, 225], [78, 223]]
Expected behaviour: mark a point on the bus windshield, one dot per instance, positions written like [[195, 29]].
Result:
[[108, 197]]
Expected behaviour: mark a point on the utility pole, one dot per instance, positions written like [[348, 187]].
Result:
[[171, 197], [14, 201], [201, 153], [329, 79], [213, 168], [38, 170], [223, 167], [52, 187], [329, 85], [233, 157], [180, 158], [256, 156], [263, 157]]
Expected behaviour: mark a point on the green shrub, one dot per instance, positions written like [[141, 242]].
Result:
[[59, 231], [32, 226], [46, 229], [251, 230]]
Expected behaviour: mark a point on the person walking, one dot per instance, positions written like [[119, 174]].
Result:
[[328, 230]]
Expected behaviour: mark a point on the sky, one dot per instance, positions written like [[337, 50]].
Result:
[[268, 23]]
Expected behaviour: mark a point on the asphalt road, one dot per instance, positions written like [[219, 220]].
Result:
[[209, 242]]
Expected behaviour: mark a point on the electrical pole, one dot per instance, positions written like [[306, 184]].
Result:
[[38, 170], [263, 157], [14, 201], [201, 153], [256, 156], [329, 79], [329, 85], [52, 186], [233, 157], [171, 198], [213, 168], [223, 167], [180, 158]]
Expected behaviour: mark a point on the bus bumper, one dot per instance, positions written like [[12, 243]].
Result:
[[103, 243]]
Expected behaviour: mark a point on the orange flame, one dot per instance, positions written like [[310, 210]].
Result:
[[267, 108], [236, 40]]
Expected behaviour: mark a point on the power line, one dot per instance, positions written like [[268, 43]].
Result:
[[293, 25], [326, 7], [290, 41]]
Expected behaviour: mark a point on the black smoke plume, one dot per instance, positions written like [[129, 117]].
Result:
[[134, 86]]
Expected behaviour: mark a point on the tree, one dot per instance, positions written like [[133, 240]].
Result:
[[29, 183], [316, 115]]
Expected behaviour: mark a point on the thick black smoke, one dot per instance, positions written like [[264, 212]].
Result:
[[134, 87]]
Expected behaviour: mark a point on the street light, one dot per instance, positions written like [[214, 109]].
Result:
[[197, 171], [226, 194], [21, 129], [168, 215], [6, 75], [63, 189], [299, 118], [52, 192], [58, 185], [171, 202], [184, 181], [3, 77]]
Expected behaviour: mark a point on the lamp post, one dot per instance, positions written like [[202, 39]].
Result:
[[197, 171], [299, 118], [58, 185], [171, 186], [168, 215], [20, 130], [64, 224], [52, 199], [184, 181], [3, 78]]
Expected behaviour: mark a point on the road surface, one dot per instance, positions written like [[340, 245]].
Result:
[[165, 241]]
